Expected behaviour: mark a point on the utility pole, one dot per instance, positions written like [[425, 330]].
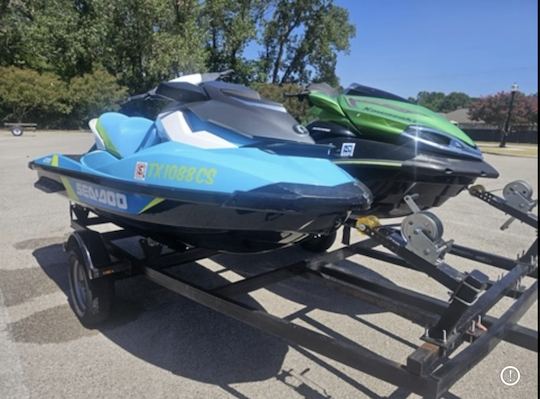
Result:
[[506, 130]]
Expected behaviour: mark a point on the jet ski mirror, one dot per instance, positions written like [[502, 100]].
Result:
[[181, 91]]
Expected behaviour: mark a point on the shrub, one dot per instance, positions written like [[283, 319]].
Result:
[[92, 94], [30, 96]]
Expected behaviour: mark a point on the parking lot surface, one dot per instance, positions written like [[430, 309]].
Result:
[[160, 345]]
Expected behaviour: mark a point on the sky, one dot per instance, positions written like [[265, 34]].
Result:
[[476, 46]]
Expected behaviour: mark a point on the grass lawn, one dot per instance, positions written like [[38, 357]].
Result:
[[511, 149]]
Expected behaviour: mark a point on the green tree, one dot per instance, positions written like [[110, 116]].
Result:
[[302, 39], [10, 32], [59, 36], [76, 44], [139, 41], [27, 95], [92, 94], [431, 100], [152, 40], [455, 100], [440, 102], [232, 25]]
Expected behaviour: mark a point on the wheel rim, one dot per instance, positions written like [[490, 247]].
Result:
[[80, 286]]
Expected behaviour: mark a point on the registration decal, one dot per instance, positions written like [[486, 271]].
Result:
[[140, 170], [182, 173], [347, 149]]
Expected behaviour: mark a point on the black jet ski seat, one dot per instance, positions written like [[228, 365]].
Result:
[[119, 134]]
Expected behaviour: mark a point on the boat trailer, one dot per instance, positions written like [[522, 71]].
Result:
[[97, 259]]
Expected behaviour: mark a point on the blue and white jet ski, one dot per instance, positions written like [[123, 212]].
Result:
[[218, 168]]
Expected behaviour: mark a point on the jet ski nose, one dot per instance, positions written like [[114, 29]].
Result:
[[365, 199], [488, 171], [345, 197]]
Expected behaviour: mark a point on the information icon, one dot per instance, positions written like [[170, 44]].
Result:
[[510, 376]]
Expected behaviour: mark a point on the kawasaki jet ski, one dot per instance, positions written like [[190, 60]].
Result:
[[395, 147], [218, 168]]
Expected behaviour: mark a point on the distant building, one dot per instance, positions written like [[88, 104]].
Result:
[[481, 131], [461, 117]]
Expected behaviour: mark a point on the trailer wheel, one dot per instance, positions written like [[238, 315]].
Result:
[[91, 300], [319, 243], [17, 131]]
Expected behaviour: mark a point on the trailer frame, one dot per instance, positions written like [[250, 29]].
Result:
[[430, 370]]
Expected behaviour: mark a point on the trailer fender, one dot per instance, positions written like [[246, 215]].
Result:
[[92, 249]]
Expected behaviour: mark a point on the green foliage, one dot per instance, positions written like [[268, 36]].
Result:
[[92, 94], [141, 42], [440, 102], [494, 109], [276, 93], [302, 40], [455, 100], [30, 96], [90, 50], [27, 95], [59, 36], [232, 25], [148, 41]]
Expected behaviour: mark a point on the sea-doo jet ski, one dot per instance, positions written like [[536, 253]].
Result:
[[219, 168], [397, 148]]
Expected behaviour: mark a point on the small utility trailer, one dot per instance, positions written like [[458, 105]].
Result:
[[96, 260], [17, 128]]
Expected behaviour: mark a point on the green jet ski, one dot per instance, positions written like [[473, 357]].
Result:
[[395, 147]]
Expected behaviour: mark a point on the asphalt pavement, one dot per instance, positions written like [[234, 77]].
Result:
[[160, 345]]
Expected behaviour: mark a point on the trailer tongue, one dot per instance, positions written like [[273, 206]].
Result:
[[96, 259]]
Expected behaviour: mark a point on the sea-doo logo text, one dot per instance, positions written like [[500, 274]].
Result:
[[140, 170], [105, 197]]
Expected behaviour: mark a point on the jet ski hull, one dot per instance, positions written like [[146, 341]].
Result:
[[219, 168], [391, 171], [263, 219]]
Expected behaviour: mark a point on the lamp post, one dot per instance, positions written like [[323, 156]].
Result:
[[506, 130]]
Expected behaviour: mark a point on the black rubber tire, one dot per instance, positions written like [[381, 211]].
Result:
[[17, 131], [320, 243], [94, 306]]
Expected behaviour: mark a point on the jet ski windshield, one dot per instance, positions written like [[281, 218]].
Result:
[[365, 91]]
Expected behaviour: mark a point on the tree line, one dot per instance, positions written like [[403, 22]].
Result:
[[491, 109], [64, 61], [83, 55]]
